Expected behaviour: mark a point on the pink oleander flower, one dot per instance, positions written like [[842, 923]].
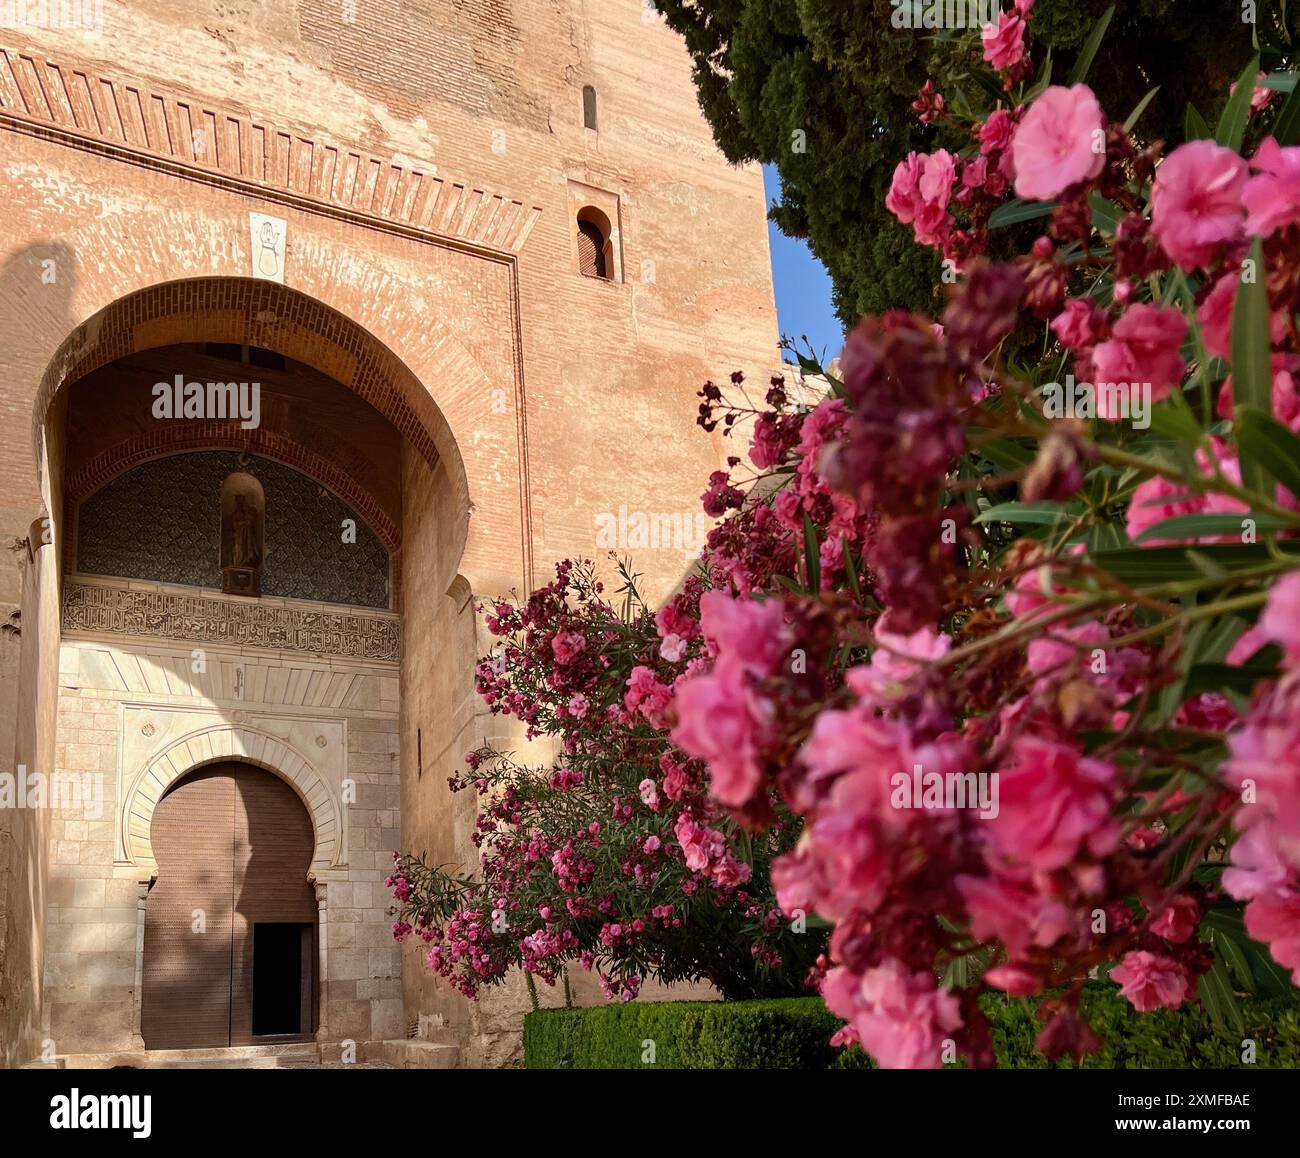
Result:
[[996, 132], [1055, 804], [1178, 920], [722, 720], [672, 648], [895, 660], [1081, 324], [1059, 143], [747, 632], [1144, 350], [567, 646], [902, 1019], [1154, 501], [1010, 909], [919, 194], [1196, 205], [645, 694], [649, 792], [671, 619], [1150, 981], [578, 706], [1272, 195], [1280, 620], [1004, 41]]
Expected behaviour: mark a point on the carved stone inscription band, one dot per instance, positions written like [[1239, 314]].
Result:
[[106, 610]]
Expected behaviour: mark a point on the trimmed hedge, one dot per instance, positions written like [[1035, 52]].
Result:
[[793, 1033]]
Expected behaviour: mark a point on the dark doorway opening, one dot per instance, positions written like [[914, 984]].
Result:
[[281, 979]]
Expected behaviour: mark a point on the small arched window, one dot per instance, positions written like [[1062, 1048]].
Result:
[[595, 253], [589, 107]]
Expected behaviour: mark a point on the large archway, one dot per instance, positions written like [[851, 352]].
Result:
[[230, 934]]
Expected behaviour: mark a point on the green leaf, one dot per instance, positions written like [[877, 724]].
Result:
[[1220, 1000], [1252, 373], [1236, 113], [1043, 79], [1223, 677], [1280, 81], [1083, 61], [1194, 126], [1174, 418], [1007, 455], [1210, 526], [1144, 566], [1018, 210], [1036, 514], [1140, 109], [1287, 126], [1270, 444], [1106, 215], [812, 556]]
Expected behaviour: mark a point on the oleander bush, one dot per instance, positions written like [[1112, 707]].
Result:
[[794, 1033]]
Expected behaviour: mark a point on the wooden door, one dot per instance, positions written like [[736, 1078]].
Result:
[[233, 845]]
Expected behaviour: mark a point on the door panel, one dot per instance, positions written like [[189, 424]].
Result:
[[234, 843], [273, 847], [186, 995]]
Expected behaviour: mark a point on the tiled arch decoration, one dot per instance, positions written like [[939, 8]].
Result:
[[225, 742], [116, 460], [262, 313]]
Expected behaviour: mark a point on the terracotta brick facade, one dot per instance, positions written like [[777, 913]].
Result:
[[428, 160]]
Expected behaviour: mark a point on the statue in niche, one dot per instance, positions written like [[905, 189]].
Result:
[[243, 510]]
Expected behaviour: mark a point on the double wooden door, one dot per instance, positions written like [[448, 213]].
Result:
[[230, 923]]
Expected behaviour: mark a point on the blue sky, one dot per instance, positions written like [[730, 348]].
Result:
[[803, 288]]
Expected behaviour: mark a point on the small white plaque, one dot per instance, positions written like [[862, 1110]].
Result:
[[268, 236]]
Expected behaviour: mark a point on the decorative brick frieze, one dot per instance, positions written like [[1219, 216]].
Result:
[[232, 145], [100, 609]]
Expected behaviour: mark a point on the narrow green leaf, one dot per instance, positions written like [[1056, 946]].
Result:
[[1038, 514], [1220, 1000], [1142, 566], [1084, 60], [1174, 418], [1106, 215], [1252, 375], [1043, 79], [812, 556], [851, 569], [1280, 81], [1270, 444], [1194, 125], [1231, 129], [1287, 126], [1018, 210], [1209, 526], [1140, 109]]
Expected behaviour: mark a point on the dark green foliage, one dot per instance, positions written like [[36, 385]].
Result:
[[840, 73], [777, 1033], [792, 1033]]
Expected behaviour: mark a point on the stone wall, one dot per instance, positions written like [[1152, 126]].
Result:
[[428, 159], [134, 715]]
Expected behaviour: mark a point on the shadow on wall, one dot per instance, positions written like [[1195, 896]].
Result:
[[37, 287]]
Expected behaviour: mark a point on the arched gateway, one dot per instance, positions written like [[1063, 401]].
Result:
[[230, 934]]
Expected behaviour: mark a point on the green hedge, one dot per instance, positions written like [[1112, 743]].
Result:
[[792, 1033]]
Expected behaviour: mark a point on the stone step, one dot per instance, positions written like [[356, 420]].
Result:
[[414, 1054], [229, 1057]]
